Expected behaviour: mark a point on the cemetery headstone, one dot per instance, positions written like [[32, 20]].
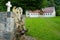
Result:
[[8, 6], [9, 29]]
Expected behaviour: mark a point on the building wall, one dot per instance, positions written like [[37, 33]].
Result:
[[34, 14], [27, 14], [53, 14]]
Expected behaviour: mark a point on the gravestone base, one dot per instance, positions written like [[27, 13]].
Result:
[[6, 26]]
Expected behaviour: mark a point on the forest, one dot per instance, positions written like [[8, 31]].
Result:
[[32, 4]]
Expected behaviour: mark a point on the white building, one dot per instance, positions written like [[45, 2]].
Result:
[[32, 13], [47, 12]]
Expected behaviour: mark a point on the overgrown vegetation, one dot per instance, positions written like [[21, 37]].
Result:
[[32, 4]]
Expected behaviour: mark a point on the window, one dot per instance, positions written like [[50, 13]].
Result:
[[28, 14], [46, 13], [31, 14]]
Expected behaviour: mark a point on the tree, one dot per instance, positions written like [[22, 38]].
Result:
[[44, 3], [27, 4], [57, 2], [31, 4]]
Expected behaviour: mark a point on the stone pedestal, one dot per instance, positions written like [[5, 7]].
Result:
[[6, 26], [10, 25]]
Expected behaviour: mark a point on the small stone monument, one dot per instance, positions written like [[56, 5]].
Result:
[[9, 24], [8, 6], [9, 19]]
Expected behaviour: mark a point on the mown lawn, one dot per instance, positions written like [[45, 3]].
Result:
[[43, 28]]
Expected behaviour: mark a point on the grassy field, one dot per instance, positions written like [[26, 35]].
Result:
[[43, 28]]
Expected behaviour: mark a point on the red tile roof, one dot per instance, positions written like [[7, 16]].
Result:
[[35, 11], [44, 10], [48, 10]]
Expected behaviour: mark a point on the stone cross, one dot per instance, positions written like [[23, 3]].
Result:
[[8, 6]]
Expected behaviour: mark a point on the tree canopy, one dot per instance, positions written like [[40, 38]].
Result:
[[32, 4]]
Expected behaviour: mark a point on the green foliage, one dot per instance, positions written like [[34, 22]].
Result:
[[31, 4], [58, 11], [44, 3], [57, 3]]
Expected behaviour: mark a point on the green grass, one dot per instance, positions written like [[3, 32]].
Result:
[[43, 28]]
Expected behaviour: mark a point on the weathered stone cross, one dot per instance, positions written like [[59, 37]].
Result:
[[8, 6]]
